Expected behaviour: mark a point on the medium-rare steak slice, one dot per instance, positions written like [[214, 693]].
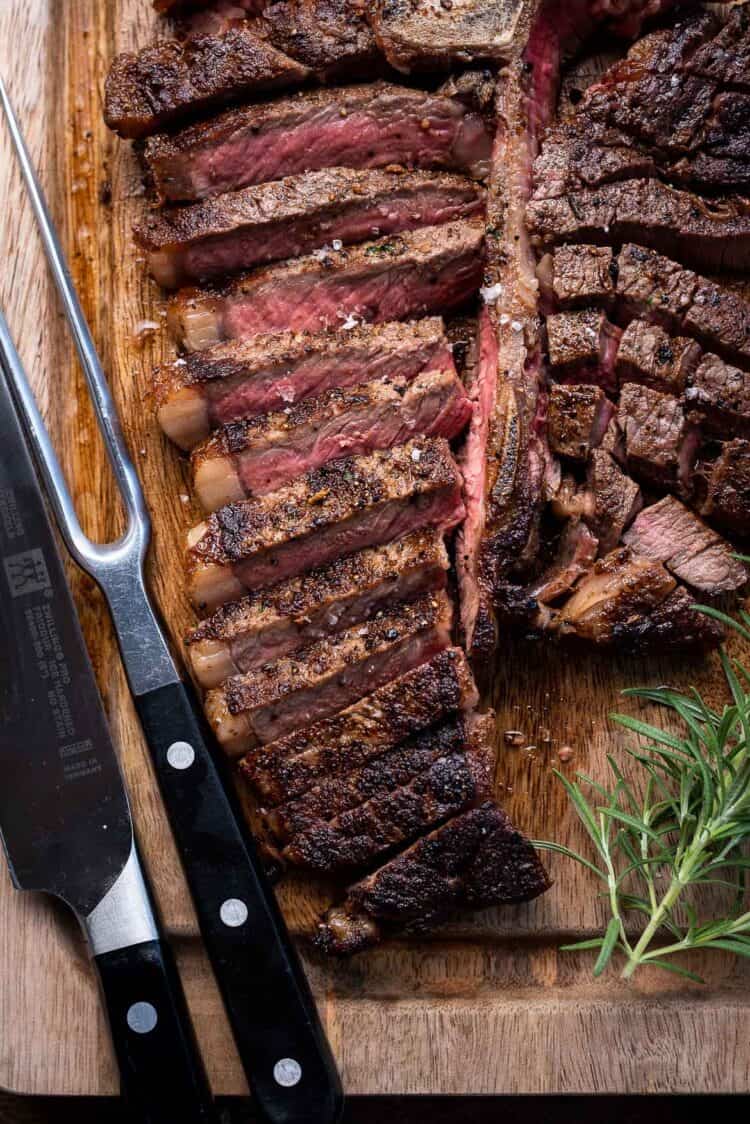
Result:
[[582, 347], [268, 702], [718, 396], [425, 271], [261, 454], [420, 35], [578, 417], [616, 499], [344, 506], [264, 374], [373, 126], [273, 221], [459, 777], [275, 622], [728, 499], [429, 695], [649, 356], [163, 84], [670, 533], [476, 860], [578, 276], [660, 443]]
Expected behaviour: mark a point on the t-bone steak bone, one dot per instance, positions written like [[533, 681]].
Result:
[[343, 507], [272, 221], [425, 271]]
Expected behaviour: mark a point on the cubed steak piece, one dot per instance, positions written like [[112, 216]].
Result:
[[373, 126], [578, 417], [648, 355], [476, 860], [576, 555], [583, 347], [616, 499], [728, 500], [344, 506], [660, 443], [577, 276], [265, 374], [428, 695], [458, 777], [273, 221], [261, 454], [163, 84], [718, 396], [425, 271], [268, 702], [703, 233], [420, 35], [275, 622], [670, 533]]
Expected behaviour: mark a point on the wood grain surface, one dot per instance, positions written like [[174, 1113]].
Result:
[[487, 1004]]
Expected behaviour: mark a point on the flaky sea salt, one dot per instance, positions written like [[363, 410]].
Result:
[[350, 322], [490, 293]]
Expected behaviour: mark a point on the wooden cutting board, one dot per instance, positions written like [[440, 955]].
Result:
[[487, 1004]]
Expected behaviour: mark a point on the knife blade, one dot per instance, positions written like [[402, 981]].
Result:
[[65, 820]]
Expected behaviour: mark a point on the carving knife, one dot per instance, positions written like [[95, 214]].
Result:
[[64, 815]]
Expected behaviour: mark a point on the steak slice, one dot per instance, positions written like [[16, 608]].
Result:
[[727, 58], [420, 35], [578, 276], [458, 777], [575, 557], [670, 533], [261, 454], [344, 506], [728, 500], [373, 126], [476, 860], [163, 84], [616, 499], [275, 622], [331, 37], [273, 221], [712, 235], [718, 396], [265, 374], [268, 702], [425, 271], [660, 443], [578, 417], [582, 347], [428, 695], [649, 356]]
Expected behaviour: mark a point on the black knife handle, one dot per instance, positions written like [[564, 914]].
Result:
[[281, 1043], [161, 1072]]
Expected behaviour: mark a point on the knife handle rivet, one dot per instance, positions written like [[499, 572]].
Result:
[[142, 1018], [180, 755], [287, 1072], [233, 913]]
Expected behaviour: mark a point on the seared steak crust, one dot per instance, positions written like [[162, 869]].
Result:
[[418, 35], [728, 500], [718, 395]]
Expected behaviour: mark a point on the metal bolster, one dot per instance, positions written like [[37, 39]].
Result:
[[124, 916]]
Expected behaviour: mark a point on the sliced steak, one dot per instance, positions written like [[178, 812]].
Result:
[[476, 860], [164, 84], [578, 276], [273, 623], [649, 356], [425, 271], [616, 499], [331, 37], [373, 126], [345, 506], [273, 221], [718, 396], [265, 374], [458, 777], [728, 499], [261, 454], [575, 556], [660, 443], [582, 347], [578, 417], [727, 57], [670, 533], [429, 695], [712, 235], [268, 702], [420, 35]]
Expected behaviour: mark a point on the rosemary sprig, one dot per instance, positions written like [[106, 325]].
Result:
[[682, 826]]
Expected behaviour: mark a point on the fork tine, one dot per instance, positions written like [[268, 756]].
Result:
[[104, 407]]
